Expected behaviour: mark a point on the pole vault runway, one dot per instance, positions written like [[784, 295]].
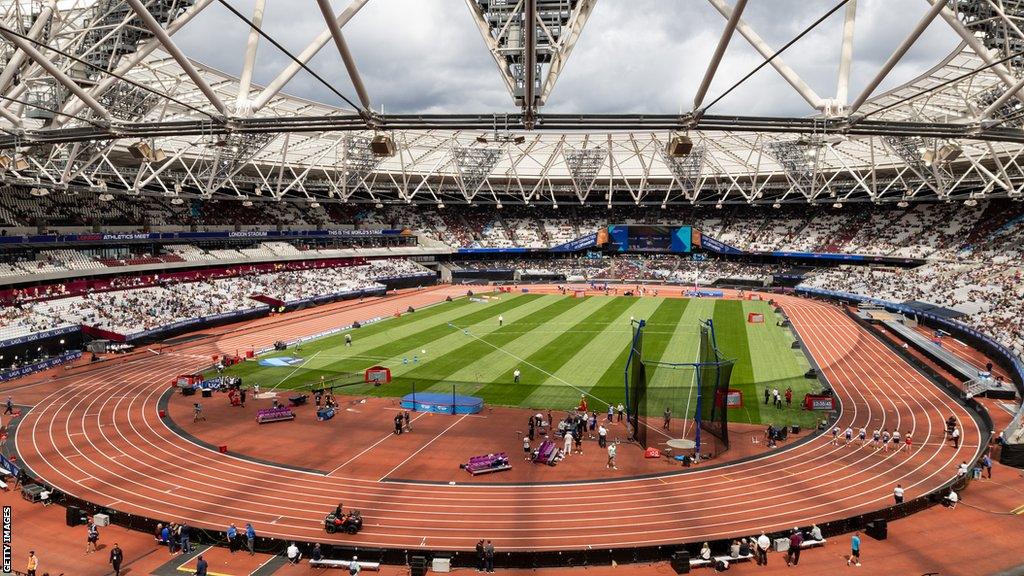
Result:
[[101, 439]]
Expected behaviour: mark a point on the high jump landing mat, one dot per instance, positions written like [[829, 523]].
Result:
[[442, 403]]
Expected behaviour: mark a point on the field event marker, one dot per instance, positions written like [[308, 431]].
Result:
[[297, 368]]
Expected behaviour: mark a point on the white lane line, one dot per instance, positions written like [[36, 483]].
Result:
[[292, 373], [422, 448], [372, 446]]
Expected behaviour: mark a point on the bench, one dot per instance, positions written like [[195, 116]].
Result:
[[281, 414], [325, 563], [298, 400], [546, 453], [812, 543], [698, 562], [487, 464]]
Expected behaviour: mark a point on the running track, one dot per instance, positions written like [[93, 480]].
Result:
[[101, 440]]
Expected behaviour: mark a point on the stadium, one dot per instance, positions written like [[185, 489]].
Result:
[[529, 287]]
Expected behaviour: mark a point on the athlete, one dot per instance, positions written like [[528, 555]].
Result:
[[862, 435], [876, 437], [835, 436], [848, 436], [885, 440]]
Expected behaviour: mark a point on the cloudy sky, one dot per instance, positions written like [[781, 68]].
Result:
[[634, 55]]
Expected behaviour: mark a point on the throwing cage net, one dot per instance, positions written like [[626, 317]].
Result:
[[675, 401]]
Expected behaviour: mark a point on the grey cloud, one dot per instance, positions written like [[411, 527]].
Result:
[[634, 56]]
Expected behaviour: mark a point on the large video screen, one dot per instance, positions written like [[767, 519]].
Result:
[[646, 238]]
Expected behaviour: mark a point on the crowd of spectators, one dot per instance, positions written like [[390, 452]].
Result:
[[629, 268], [989, 293], [922, 230], [126, 308]]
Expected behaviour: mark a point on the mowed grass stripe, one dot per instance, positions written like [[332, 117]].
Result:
[[442, 342], [379, 332], [777, 364], [610, 386], [390, 353], [523, 351], [580, 357], [452, 367], [731, 337]]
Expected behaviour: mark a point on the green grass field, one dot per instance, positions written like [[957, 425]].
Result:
[[562, 345]]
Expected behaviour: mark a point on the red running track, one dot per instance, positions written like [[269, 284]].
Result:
[[101, 440]]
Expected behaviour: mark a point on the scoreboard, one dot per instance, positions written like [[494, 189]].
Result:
[[650, 239]]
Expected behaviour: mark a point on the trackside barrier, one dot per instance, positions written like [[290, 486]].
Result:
[[512, 559]]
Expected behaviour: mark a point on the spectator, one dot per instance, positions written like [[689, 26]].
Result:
[[796, 540], [854, 550], [763, 544], [293, 553], [33, 563], [489, 556], [250, 538], [201, 566], [92, 537], [116, 557]]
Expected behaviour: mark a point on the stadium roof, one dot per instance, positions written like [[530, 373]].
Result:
[[97, 95]]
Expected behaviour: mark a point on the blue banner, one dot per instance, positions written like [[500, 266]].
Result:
[[582, 243], [820, 256], [493, 250], [39, 366], [177, 236], [39, 336], [11, 467], [337, 295], [710, 244], [194, 321]]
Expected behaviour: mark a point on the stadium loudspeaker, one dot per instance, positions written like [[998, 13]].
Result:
[[878, 529], [382, 145], [812, 373], [795, 429], [681, 562], [680, 145], [73, 516], [418, 566], [141, 151], [188, 391], [796, 344]]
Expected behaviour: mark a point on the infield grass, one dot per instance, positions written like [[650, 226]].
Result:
[[563, 346]]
